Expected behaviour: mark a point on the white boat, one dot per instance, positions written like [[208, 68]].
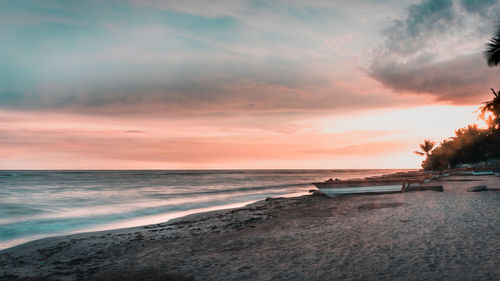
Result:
[[331, 192], [332, 188]]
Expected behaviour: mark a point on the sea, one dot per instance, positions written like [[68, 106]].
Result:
[[36, 204]]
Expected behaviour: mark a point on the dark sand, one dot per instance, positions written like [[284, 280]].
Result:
[[427, 235]]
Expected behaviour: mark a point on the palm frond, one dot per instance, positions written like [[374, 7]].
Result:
[[492, 52], [426, 148]]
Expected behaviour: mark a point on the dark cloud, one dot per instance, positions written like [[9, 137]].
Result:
[[407, 35], [463, 79], [266, 86], [436, 49], [431, 20], [478, 6]]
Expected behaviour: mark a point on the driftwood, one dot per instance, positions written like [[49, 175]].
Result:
[[409, 188], [477, 188]]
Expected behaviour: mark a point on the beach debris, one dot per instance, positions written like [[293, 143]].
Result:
[[477, 188], [317, 193], [409, 188], [268, 199], [333, 180]]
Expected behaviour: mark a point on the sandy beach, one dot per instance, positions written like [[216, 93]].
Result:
[[425, 235], [214, 140]]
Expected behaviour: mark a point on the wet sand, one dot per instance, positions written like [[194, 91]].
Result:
[[425, 235]]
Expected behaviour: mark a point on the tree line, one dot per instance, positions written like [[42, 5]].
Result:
[[470, 144]]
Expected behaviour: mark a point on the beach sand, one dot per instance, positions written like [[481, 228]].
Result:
[[427, 235]]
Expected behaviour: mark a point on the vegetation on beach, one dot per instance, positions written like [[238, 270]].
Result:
[[426, 148], [470, 144], [492, 52]]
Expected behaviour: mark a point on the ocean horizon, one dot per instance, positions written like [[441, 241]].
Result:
[[36, 204]]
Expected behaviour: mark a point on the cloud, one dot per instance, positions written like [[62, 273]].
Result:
[[428, 24], [424, 20], [235, 85], [478, 6], [463, 79], [211, 8], [163, 57], [436, 49]]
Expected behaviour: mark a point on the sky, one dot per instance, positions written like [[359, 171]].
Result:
[[234, 84]]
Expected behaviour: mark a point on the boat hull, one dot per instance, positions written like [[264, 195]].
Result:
[[360, 190], [346, 187]]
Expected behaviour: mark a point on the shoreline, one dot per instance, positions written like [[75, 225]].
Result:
[[152, 220], [120, 230], [126, 199], [432, 235], [115, 226]]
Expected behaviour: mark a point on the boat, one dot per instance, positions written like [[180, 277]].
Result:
[[461, 173], [332, 188], [483, 173]]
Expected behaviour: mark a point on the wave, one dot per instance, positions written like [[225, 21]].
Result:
[[234, 190], [8, 175], [44, 225], [53, 202], [17, 173], [161, 203]]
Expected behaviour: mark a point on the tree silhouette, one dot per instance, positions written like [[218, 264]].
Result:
[[426, 148], [492, 52], [492, 106]]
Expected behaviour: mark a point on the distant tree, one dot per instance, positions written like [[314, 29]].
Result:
[[469, 145], [492, 52], [426, 148]]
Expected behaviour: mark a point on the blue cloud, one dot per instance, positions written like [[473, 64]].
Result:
[[90, 54], [478, 6], [423, 20], [425, 47]]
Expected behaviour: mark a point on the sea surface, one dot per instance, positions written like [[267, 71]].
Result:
[[38, 204]]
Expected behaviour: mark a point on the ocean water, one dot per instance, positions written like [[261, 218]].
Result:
[[37, 204]]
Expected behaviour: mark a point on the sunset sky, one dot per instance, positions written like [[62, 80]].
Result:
[[152, 84]]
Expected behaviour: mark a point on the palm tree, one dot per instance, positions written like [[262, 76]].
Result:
[[492, 106], [492, 52], [426, 147]]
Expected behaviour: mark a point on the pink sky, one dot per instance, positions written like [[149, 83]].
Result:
[[231, 85], [382, 139]]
